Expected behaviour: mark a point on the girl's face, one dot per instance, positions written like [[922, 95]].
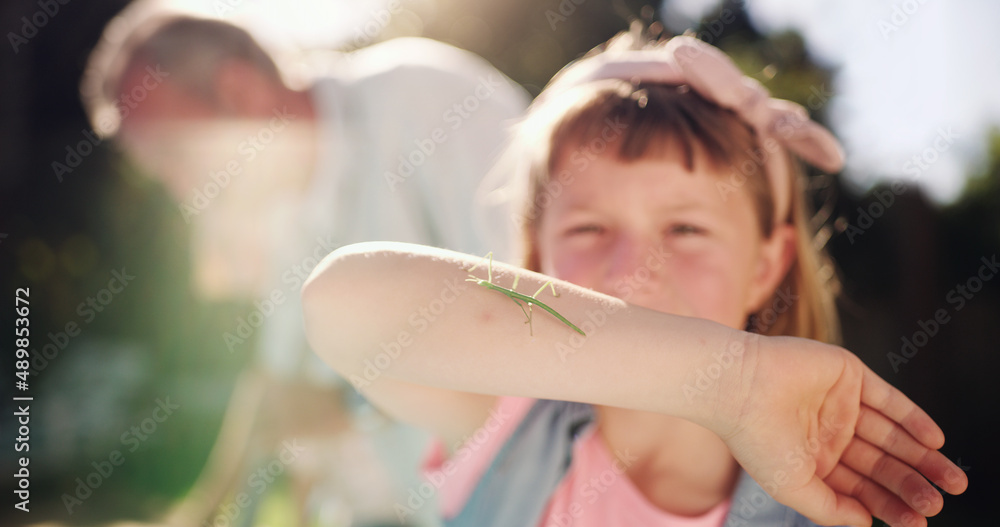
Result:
[[658, 236]]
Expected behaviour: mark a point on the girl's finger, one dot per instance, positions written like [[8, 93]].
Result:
[[883, 434], [889, 401], [893, 475], [879, 502]]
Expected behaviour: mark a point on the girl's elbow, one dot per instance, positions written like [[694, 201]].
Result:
[[336, 272], [352, 264], [326, 301], [340, 301], [320, 284]]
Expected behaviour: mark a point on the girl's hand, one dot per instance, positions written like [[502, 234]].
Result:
[[826, 436]]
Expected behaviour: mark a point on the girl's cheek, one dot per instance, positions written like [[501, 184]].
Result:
[[717, 297], [552, 259], [572, 267], [700, 285]]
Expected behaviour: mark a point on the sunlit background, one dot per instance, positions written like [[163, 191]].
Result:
[[900, 71], [910, 87]]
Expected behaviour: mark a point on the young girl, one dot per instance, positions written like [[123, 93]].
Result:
[[662, 199]]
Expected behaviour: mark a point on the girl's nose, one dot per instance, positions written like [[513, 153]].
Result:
[[637, 261]]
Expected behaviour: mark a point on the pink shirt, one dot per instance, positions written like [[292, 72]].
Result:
[[595, 492]]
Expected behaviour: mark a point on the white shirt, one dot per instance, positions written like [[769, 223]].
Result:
[[409, 129]]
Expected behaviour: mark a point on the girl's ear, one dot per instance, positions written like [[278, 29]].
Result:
[[776, 256], [243, 90]]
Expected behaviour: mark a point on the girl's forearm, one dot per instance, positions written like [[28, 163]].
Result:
[[407, 312]]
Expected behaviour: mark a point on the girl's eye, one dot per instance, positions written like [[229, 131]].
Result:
[[685, 229], [589, 228]]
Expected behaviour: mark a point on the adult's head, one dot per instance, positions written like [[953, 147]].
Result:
[[178, 89], [207, 68], [199, 105]]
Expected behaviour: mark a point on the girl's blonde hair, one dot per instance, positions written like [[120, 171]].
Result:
[[642, 120]]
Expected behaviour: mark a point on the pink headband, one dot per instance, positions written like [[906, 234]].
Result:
[[707, 70]]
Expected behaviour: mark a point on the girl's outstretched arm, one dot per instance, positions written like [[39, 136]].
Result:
[[390, 311], [808, 421]]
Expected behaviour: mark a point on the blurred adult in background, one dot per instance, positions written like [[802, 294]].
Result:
[[271, 177]]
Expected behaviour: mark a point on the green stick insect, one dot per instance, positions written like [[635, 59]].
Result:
[[521, 299]]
